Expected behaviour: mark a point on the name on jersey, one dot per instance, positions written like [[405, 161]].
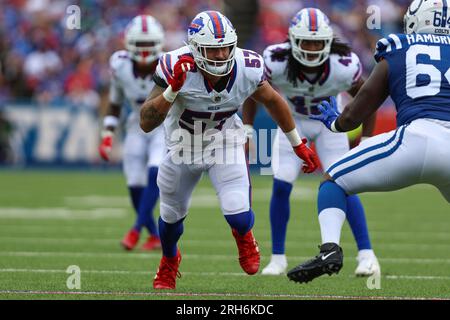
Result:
[[415, 38]]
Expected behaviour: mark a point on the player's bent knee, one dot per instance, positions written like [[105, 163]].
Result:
[[234, 202], [331, 195], [171, 214]]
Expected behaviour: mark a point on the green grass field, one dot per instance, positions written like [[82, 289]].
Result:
[[52, 220]]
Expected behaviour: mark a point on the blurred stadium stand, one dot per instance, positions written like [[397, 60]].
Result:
[[54, 81]]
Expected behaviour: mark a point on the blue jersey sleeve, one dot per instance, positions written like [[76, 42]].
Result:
[[387, 46]]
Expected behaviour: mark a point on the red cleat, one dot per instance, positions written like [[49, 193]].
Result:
[[167, 272], [153, 242], [130, 240], [248, 252]]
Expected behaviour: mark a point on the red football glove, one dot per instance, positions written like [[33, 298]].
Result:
[[106, 145], [180, 69], [309, 157]]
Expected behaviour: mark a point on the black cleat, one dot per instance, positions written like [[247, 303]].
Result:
[[328, 261]]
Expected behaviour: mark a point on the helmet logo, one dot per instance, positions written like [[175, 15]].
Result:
[[196, 26], [295, 20], [414, 11]]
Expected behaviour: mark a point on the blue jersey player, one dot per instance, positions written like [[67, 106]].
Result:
[[414, 68]]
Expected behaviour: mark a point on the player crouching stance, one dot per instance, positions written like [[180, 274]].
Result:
[[206, 82], [417, 152]]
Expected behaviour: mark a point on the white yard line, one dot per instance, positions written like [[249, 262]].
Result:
[[62, 213], [208, 257], [214, 294], [207, 274]]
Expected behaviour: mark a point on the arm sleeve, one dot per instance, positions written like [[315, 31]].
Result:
[[256, 72], [357, 70], [163, 71], [116, 95]]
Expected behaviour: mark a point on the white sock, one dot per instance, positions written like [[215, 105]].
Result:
[[366, 253], [279, 259], [331, 221]]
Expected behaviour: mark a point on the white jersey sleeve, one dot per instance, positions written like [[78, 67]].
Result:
[[116, 91], [253, 68], [164, 69], [348, 70], [275, 61]]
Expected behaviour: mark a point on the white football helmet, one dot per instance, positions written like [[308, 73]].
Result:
[[310, 24], [144, 38], [211, 29], [426, 16]]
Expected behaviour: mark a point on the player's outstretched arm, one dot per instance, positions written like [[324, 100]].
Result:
[[368, 99], [280, 112], [110, 122], [369, 123], [249, 110]]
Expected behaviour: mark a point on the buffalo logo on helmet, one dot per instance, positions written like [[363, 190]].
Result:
[[196, 25], [296, 19]]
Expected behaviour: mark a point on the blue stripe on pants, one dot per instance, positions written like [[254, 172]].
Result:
[[364, 151], [373, 158]]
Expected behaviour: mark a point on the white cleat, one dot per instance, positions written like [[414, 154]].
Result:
[[276, 267], [367, 264]]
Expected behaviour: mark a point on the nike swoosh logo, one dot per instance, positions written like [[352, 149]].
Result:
[[326, 257]]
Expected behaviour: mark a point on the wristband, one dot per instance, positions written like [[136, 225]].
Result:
[[107, 133], [335, 127], [110, 121], [293, 138], [170, 95]]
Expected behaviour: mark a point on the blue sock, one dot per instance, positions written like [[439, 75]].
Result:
[[170, 234], [149, 198], [242, 222], [279, 214], [135, 194], [331, 196], [332, 205], [357, 221]]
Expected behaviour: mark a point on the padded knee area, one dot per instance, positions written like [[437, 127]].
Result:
[[234, 202], [172, 214]]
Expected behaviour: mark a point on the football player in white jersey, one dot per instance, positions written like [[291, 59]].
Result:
[[308, 68], [199, 90], [414, 69], [131, 80]]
